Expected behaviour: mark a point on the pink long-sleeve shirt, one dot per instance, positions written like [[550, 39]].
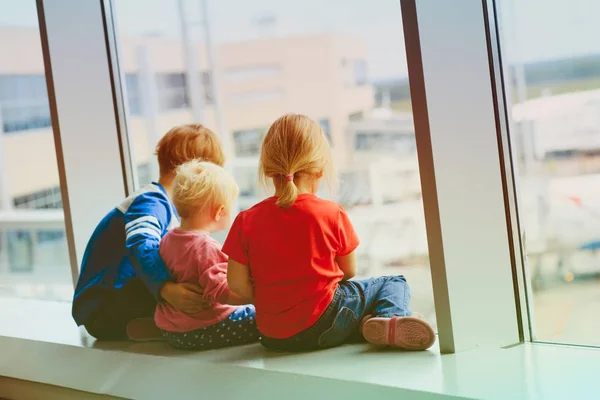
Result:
[[197, 258]]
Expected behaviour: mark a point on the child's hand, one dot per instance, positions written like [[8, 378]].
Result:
[[186, 297]]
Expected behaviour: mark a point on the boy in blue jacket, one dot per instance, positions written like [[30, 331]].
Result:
[[122, 275]]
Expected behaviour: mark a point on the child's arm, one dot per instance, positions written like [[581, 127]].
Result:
[[146, 221], [347, 264], [235, 300], [238, 273], [348, 242], [238, 278], [216, 289], [214, 278]]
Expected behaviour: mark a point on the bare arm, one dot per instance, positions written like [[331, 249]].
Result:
[[347, 264], [238, 279], [235, 300]]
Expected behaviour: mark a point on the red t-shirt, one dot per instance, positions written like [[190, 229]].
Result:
[[291, 255]]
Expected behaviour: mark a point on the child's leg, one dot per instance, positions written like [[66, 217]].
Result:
[[239, 329], [392, 323], [110, 321], [340, 323], [386, 296]]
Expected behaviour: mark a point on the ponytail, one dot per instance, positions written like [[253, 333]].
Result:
[[294, 145], [289, 193]]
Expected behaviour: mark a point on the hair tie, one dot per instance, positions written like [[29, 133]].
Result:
[[289, 177]]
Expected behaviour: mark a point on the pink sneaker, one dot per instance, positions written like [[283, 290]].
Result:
[[365, 319], [408, 333]]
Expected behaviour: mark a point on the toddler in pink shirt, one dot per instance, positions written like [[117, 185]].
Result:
[[203, 194]]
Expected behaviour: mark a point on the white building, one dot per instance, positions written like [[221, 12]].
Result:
[[322, 76], [558, 142]]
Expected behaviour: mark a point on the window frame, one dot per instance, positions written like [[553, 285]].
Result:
[[88, 100], [462, 36]]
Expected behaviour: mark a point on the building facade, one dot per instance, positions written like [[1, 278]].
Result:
[[323, 77]]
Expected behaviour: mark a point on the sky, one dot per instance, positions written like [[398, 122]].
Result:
[[532, 30]]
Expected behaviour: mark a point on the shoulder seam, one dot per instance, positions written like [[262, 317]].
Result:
[[124, 206]]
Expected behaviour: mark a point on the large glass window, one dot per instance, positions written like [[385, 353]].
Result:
[[34, 258], [552, 62], [347, 79], [153, 61]]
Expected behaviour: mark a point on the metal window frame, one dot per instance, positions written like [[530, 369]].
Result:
[[469, 196], [86, 113]]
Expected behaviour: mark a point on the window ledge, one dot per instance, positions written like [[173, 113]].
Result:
[[50, 350]]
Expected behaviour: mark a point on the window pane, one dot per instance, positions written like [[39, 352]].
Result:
[[274, 57], [34, 259], [153, 61], [552, 61]]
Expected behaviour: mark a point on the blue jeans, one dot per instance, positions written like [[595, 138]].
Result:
[[239, 328], [386, 296]]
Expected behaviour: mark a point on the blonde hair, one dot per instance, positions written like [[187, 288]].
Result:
[[201, 185], [187, 142], [294, 144]]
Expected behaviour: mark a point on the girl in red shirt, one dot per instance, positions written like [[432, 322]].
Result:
[[294, 255]]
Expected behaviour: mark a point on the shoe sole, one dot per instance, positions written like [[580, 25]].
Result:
[[408, 333]]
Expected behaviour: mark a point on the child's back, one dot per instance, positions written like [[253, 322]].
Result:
[[203, 194], [196, 258], [293, 253], [133, 226]]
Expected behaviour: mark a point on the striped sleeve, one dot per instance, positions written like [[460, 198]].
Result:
[[145, 225], [146, 222]]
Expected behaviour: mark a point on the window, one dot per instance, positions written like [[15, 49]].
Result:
[[247, 142], [23, 102], [251, 100], [133, 95], [206, 79], [34, 259], [360, 72], [172, 93], [20, 252], [324, 122], [247, 180], [42, 199], [356, 116], [553, 76]]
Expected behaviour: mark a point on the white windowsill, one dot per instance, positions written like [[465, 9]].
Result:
[[39, 343]]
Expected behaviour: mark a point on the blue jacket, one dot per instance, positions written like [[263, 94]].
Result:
[[124, 246]]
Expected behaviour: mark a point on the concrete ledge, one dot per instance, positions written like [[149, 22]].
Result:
[[58, 354], [230, 373], [25, 390]]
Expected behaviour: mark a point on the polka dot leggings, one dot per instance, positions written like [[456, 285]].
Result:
[[238, 329]]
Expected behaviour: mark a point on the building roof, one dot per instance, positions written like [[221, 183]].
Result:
[[386, 120], [551, 107]]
